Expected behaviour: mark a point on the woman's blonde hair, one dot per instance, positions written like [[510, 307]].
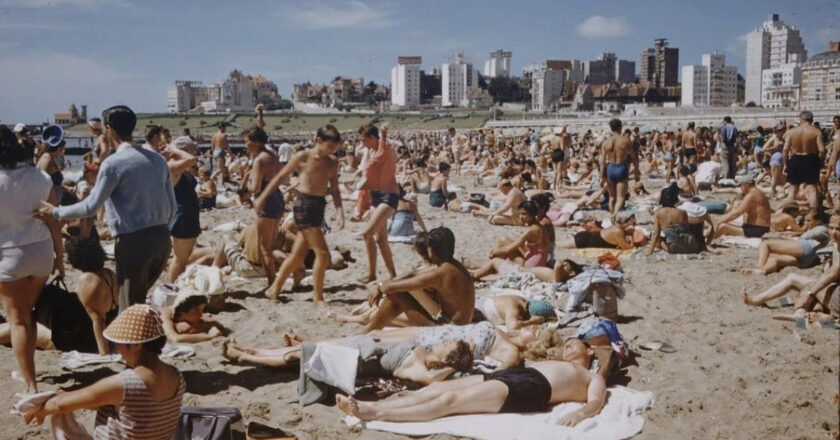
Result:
[[539, 349]]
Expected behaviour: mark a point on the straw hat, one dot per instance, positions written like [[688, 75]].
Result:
[[135, 325]]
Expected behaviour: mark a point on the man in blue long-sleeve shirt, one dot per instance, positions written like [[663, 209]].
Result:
[[135, 186], [728, 157]]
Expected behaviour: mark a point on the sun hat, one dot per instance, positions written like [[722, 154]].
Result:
[[19, 127], [52, 136], [135, 325]]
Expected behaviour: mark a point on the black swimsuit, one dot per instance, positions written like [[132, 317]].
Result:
[[586, 239], [309, 211], [528, 389]]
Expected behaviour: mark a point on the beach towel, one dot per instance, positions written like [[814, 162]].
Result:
[[524, 284], [660, 255], [73, 360], [597, 252], [207, 280], [62, 426], [236, 225], [405, 239], [743, 242], [620, 418], [579, 285]]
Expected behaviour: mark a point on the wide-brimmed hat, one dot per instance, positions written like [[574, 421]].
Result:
[[52, 136], [135, 325]]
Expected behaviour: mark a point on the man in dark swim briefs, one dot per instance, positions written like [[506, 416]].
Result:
[[514, 390], [757, 208], [803, 153], [613, 160]]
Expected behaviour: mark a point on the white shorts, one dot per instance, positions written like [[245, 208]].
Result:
[[29, 260]]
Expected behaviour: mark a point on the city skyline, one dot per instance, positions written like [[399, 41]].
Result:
[[61, 51]]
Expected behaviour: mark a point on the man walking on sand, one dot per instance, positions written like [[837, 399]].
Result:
[[135, 186]]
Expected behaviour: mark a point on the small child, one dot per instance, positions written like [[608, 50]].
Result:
[[206, 190]]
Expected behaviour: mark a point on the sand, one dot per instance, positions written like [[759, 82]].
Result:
[[736, 374]]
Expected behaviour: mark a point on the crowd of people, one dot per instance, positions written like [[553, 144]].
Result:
[[424, 326]]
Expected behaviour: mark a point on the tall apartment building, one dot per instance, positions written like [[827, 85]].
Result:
[[607, 68], [498, 64], [780, 85], [712, 83], [770, 46], [548, 79], [238, 92], [660, 64], [821, 80], [405, 82], [458, 78]]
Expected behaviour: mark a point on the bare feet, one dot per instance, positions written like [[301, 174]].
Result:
[[272, 293], [230, 353], [751, 271], [367, 279], [291, 339], [747, 300], [354, 408]]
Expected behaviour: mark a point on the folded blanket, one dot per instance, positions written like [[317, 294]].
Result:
[[620, 418], [73, 360]]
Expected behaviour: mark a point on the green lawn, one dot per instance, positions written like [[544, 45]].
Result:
[[296, 123]]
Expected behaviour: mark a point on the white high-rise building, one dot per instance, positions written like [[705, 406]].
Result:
[[712, 83], [821, 80], [780, 86], [771, 46], [498, 64], [547, 88], [405, 82], [457, 80]]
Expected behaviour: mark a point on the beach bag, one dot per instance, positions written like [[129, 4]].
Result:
[[604, 298], [479, 199], [197, 423], [61, 311], [164, 295]]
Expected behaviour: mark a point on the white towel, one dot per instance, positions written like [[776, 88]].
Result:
[[620, 418], [171, 351], [72, 360], [334, 365], [407, 239], [741, 241]]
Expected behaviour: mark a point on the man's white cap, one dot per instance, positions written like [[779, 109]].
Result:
[[19, 127], [285, 152]]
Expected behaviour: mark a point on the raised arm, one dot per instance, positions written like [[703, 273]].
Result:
[[179, 162], [260, 119]]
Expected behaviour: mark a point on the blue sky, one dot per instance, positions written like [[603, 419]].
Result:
[[102, 52]]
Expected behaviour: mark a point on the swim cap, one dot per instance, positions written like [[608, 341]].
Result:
[[540, 308]]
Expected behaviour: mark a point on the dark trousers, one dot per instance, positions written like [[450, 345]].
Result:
[[141, 258], [732, 159]]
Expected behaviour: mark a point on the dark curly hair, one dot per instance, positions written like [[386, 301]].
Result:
[[461, 358], [189, 303], [85, 254], [442, 242], [256, 134], [11, 152]]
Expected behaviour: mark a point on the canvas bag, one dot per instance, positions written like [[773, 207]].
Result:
[[604, 298], [197, 423], [61, 311]]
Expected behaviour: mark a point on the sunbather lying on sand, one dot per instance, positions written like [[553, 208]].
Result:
[[515, 390]]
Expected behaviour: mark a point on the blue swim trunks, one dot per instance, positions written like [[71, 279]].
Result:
[[617, 172]]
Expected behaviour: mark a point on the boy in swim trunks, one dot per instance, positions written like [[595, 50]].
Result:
[[514, 390], [318, 174], [757, 209], [804, 152]]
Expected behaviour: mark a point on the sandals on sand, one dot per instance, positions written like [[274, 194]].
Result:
[[659, 346]]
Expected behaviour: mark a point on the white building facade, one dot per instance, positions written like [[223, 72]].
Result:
[[771, 46], [711, 84], [405, 82], [821, 81], [780, 86], [546, 88], [457, 80], [498, 64]]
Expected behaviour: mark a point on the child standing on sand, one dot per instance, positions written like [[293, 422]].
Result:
[[318, 173]]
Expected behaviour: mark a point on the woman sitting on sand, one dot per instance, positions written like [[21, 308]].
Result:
[[402, 223], [530, 249], [486, 341], [773, 255], [142, 401], [419, 179], [617, 236], [680, 236], [185, 321]]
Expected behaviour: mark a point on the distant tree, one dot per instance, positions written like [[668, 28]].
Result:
[[482, 82], [751, 104], [507, 90]]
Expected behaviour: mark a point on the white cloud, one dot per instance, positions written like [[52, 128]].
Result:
[[738, 45], [33, 86], [352, 15], [32, 4], [599, 27]]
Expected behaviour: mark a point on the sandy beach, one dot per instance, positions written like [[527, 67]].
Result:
[[736, 372]]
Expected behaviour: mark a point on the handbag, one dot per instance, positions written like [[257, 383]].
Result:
[[603, 298], [197, 423]]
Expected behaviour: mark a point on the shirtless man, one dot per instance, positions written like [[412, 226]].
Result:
[[220, 149], [513, 197], [689, 144], [514, 390], [449, 285], [318, 174], [757, 208], [803, 154], [614, 167], [562, 143], [835, 149], [459, 145], [270, 212]]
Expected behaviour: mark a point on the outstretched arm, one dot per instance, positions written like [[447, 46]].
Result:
[[596, 395], [108, 391], [275, 182]]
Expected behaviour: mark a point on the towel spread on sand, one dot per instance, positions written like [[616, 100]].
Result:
[[72, 360], [407, 239], [62, 426], [741, 242], [620, 418], [524, 284]]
